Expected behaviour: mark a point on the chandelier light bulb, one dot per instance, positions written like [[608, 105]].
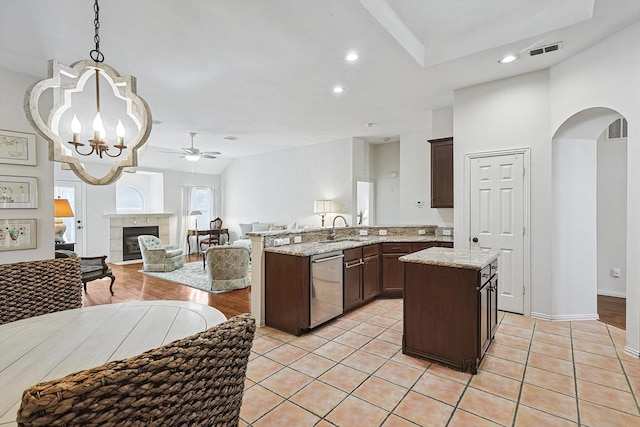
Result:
[[76, 128], [120, 132], [98, 128]]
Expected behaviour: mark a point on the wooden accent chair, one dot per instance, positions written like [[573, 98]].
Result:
[[213, 238], [32, 288], [92, 268], [198, 380]]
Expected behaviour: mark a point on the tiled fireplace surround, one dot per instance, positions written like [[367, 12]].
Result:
[[118, 221]]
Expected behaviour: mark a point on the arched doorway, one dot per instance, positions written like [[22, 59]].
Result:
[[590, 212]]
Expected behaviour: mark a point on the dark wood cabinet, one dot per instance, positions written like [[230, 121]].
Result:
[[352, 278], [361, 276], [441, 173], [450, 314], [392, 269], [287, 292], [371, 272]]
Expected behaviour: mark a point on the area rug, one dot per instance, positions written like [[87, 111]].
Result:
[[192, 275]]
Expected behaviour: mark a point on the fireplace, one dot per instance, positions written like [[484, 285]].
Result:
[[130, 247]]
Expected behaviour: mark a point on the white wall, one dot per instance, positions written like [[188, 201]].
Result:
[[415, 182], [386, 161], [574, 239], [12, 117], [612, 215], [280, 187], [606, 75], [504, 114]]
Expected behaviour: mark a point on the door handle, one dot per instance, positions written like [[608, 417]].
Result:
[[474, 240]]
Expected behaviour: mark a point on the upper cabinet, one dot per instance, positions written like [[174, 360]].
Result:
[[441, 172]]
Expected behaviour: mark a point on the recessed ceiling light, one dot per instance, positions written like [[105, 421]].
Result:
[[508, 58], [351, 56], [338, 89]]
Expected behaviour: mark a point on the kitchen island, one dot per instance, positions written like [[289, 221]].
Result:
[[450, 305]]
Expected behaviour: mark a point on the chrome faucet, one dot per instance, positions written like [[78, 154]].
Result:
[[332, 235]]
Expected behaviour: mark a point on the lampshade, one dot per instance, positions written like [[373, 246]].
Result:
[[323, 206], [62, 208], [196, 212]]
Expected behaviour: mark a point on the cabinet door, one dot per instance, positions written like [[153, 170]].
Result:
[[352, 280], [442, 173], [485, 313], [371, 277], [392, 274], [493, 306]]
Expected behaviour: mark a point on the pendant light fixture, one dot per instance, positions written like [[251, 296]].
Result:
[[71, 116]]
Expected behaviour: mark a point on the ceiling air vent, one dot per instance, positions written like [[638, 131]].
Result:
[[545, 49]]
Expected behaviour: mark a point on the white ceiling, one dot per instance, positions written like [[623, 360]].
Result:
[[263, 70]]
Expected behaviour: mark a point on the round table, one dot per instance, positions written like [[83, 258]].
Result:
[[51, 346]]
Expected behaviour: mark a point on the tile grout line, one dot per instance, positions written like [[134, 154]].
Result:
[[524, 373], [624, 370]]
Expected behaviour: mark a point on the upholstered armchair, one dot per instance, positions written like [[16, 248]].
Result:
[[227, 267], [159, 257]]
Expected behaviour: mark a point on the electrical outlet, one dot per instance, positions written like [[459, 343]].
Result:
[[422, 232], [615, 272], [364, 232], [382, 232], [446, 232], [297, 239], [286, 241]]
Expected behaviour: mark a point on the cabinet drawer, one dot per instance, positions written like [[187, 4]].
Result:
[[370, 250], [351, 254], [389, 248], [485, 275], [445, 244]]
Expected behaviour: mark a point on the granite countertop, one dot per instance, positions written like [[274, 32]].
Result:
[[447, 257], [315, 248]]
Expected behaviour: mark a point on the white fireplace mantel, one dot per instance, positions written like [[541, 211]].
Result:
[[117, 221]]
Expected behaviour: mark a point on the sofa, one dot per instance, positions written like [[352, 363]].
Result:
[[159, 257]]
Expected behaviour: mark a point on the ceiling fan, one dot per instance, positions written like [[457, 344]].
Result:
[[193, 154]]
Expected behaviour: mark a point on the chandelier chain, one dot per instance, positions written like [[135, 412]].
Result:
[[95, 54]]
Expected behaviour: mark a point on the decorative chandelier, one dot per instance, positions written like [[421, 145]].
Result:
[[68, 87]]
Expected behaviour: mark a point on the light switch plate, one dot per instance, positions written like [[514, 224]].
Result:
[[382, 232], [286, 241], [446, 232], [297, 239], [364, 232], [422, 232]]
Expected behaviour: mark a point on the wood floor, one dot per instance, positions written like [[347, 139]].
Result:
[[131, 285]]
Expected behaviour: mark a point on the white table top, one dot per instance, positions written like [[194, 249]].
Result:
[[51, 346]]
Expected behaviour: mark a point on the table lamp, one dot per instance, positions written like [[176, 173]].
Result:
[[322, 207], [61, 209], [195, 213]]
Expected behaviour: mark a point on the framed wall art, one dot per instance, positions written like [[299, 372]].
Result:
[[17, 148], [18, 192], [17, 234]]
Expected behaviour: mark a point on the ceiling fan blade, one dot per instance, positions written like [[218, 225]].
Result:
[[208, 156], [171, 152], [191, 150], [211, 153]]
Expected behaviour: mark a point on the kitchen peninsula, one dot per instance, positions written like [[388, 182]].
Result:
[[450, 305], [308, 283]]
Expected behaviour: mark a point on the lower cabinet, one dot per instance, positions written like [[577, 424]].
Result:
[[392, 269], [450, 314], [361, 275]]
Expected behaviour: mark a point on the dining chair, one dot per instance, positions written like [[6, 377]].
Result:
[[33, 288], [215, 226], [198, 380]]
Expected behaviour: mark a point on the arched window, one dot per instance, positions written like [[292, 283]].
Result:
[[129, 199]]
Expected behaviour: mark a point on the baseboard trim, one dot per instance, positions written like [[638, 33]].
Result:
[[632, 352], [612, 293], [133, 261], [564, 317]]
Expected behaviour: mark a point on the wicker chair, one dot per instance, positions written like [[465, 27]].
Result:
[[198, 380], [33, 288]]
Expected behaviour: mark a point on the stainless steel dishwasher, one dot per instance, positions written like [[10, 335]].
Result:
[[326, 287]]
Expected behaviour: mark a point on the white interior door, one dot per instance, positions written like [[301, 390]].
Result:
[[72, 191], [497, 221]]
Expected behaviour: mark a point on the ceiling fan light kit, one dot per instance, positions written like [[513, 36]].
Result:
[[70, 95]]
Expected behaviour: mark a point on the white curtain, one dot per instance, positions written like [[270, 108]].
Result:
[[185, 218]]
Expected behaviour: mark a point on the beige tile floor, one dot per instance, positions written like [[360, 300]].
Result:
[[351, 372]]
